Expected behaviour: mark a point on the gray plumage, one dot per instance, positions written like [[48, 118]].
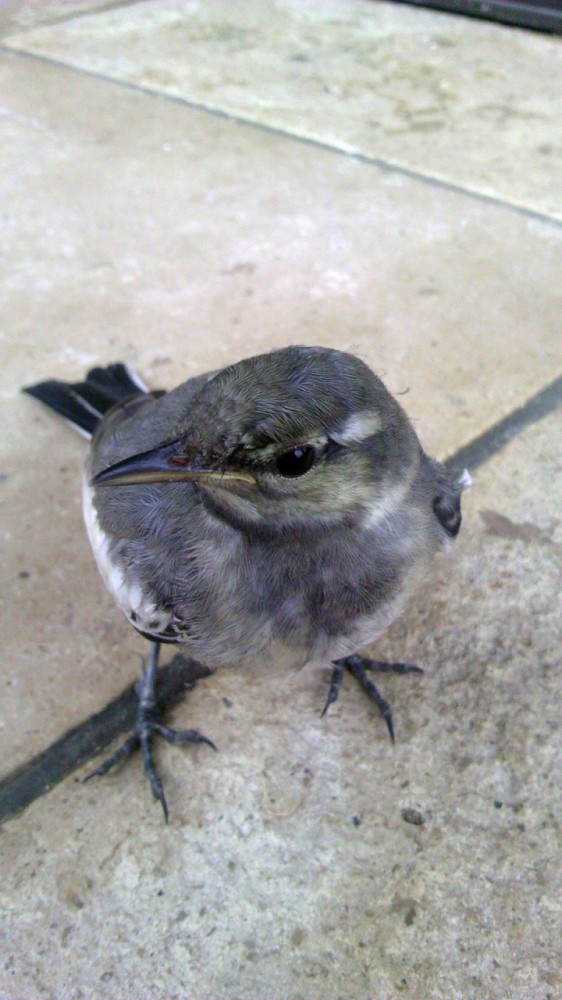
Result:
[[281, 508], [318, 564]]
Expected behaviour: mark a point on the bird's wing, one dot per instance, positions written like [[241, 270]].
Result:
[[446, 501], [141, 423]]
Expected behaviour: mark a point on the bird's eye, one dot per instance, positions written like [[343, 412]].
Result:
[[296, 462]]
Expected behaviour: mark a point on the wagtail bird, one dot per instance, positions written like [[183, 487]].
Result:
[[280, 507]]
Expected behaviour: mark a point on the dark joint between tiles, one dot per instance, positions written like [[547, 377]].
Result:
[[36, 777], [486, 445], [77, 15], [373, 161]]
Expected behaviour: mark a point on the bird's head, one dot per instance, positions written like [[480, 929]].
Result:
[[299, 438]]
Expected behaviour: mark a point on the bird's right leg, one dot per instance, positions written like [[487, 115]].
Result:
[[148, 723]]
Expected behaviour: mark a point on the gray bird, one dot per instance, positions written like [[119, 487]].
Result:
[[280, 507]]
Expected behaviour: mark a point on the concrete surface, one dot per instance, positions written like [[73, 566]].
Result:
[[120, 241], [18, 15], [288, 869], [466, 101], [141, 228]]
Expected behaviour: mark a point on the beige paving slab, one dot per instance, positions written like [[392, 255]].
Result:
[[138, 229], [22, 15], [309, 858], [475, 104]]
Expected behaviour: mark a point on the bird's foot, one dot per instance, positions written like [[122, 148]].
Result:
[[359, 666], [148, 724]]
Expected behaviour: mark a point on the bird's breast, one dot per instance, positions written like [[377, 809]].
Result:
[[231, 599], [133, 594]]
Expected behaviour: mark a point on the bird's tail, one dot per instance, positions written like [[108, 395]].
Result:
[[84, 404]]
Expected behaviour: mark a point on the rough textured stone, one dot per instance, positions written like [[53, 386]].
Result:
[[461, 100], [22, 15], [289, 868], [308, 858], [136, 229]]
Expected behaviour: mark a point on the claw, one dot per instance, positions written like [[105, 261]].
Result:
[[151, 772], [335, 685], [146, 725], [358, 666], [125, 750], [181, 735], [391, 668]]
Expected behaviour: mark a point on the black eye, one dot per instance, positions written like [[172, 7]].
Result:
[[296, 462]]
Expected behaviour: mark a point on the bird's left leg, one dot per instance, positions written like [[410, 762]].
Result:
[[358, 666], [146, 724]]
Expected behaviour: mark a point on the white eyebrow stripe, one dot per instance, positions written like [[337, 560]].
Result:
[[276, 448], [357, 428]]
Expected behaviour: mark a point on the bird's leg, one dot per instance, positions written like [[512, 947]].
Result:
[[146, 724], [335, 685], [358, 666]]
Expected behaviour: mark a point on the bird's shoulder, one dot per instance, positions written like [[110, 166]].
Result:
[[142, 422], [446, 499]]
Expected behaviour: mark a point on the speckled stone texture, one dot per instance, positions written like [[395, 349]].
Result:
[[471, 103], [121, 241], [23, 15], [308, 859]]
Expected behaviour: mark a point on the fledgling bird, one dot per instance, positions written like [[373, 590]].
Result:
[[282, 506]]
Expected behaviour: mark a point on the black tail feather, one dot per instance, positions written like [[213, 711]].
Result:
[[85, 403], [117, 378]]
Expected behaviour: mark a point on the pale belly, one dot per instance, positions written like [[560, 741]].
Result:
[[255, 640], [140, 611]]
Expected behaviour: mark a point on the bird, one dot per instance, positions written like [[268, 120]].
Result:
[[281, 506]]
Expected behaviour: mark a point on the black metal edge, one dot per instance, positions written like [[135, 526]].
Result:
[[509, 12]]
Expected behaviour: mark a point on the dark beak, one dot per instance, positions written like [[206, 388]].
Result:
[[167, 463]]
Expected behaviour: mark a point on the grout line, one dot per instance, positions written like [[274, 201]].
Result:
[[37, 776], [76, 15], [478, 451], [374, 161]]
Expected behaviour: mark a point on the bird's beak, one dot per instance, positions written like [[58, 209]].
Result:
[[168, 463]]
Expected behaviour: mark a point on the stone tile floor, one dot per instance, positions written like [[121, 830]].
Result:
[[175, 193], [456, 99]]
